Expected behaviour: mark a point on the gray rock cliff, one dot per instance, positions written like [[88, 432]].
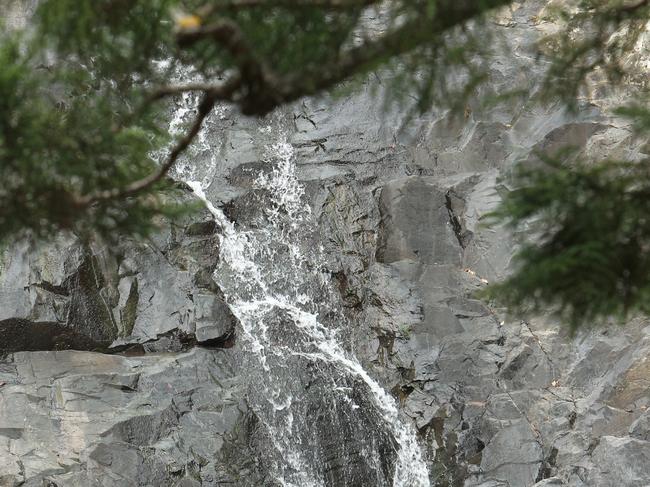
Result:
[[127, 367]]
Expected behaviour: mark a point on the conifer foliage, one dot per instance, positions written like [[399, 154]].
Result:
[[83, 90], [589, 259], [84, 142]]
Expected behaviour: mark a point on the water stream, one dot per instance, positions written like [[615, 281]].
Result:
[[323, 420]]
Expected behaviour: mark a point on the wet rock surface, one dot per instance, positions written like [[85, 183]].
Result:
[[124, 368]]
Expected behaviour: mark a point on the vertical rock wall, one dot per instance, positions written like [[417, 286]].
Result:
[[123, 368]]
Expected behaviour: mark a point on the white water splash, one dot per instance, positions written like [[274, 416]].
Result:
[[254, 292]]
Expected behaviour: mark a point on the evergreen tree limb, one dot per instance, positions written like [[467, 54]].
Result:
[[265, 90], [204, 109], [227, 33]]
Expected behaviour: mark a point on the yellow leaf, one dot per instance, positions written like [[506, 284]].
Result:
[[188, 22]]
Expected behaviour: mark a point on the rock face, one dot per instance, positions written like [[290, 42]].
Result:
[[82, 418], [64, 295], [127, 367]]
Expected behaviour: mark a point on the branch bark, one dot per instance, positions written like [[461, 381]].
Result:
[[255, 76], [228, 34], [265, 90], [406, 38], [395, 43], [205, 107], [258, 90]]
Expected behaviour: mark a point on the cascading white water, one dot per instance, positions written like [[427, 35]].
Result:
[[274, 284]]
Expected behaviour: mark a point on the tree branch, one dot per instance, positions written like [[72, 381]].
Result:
[[205, 107], [398, 42], [256, 77], [265, 91], [228, 34]]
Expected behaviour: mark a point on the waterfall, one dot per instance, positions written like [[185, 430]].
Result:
[[325, 420]]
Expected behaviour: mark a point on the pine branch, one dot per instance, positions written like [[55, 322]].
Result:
[[205, 107], [401, 41], [227, 33], [266, 90]]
